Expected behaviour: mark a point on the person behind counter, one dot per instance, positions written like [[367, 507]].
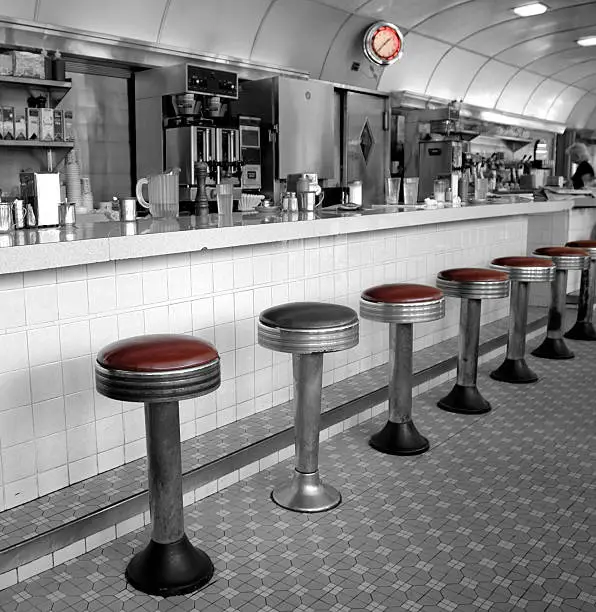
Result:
[[584, 174]]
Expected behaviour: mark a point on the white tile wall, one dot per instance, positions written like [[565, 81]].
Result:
[[54, 322]]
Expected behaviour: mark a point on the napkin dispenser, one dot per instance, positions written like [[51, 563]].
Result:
[[41, 191]]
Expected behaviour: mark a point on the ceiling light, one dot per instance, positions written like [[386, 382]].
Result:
[[529, 10], [587, 41]]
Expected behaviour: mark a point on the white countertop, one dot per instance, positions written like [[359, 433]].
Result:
[[99, 242]]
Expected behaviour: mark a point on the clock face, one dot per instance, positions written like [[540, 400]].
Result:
[[383, 43]]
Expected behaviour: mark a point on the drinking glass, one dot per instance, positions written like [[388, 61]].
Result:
[[410, 190], [440, 186], [480, 189], [225, 199], [392, 190]]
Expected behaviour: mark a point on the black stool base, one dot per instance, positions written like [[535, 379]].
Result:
[[582, 331], [514, 371], [464, 400], [399, 439], [169, 569], [553, 348]]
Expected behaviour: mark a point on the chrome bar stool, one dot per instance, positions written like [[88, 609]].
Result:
[[565, 259], [584, 328], [401, 305], [161, 370], [307, 330], [471, 285], [522, 271]]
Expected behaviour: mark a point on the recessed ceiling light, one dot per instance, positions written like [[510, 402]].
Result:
[[529, 10], [587, 41]]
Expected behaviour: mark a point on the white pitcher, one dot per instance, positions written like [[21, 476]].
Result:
[[163, 194]]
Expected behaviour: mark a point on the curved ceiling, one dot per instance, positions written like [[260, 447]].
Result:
[[476, 50]]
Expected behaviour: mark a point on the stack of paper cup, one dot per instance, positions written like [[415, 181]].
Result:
[[73, 178], [87, 201]]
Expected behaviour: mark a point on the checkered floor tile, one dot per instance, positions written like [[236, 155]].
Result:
[[498, 515], [59, 508]]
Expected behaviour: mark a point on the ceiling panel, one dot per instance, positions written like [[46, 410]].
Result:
[[346, 49], [553, 63], [517, 91], [591, 121], [488, 83], [588, 83], [130, 19], [532, 50], [19, 9], [518, 31], [457, 62], [350, 6], [414, 69], [406, 13], [199, 26], [542, 97], [563, 104], [297, 34], [582, 111], [577, 72]]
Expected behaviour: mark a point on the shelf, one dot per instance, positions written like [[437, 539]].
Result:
[[31, 82], [37, 144]]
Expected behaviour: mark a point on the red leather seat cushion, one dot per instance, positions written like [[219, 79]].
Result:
[[471, 275], [582, 244], [560, 251], [522, 262], [402, 293], [157, 353]]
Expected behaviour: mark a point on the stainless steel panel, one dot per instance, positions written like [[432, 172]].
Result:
[[367, 143], [306, 120], [149, 141]]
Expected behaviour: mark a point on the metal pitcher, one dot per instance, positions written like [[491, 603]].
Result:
[[307, 192]]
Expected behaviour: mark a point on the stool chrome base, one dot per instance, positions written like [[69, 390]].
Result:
[[399, 439], [169, 569], [582, 330], [464, 400], [306, 493], [553, 348], [514, 371]]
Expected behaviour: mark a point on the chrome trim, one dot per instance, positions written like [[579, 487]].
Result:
[[367, 43], [150, 387], [304, 341], [474, 290], [409, 312], [568, 262], [527, 274]]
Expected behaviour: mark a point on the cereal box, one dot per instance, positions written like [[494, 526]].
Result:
[[20, 124], [68, 126], [8, 122], [46, 124], [32, 118], [58, 125]]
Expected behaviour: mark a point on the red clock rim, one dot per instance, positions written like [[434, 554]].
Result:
[[395, 35]]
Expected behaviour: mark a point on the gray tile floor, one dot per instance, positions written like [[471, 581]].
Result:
[[81, 499], [498, 515]]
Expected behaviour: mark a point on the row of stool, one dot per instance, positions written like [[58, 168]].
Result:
[[161, 370]]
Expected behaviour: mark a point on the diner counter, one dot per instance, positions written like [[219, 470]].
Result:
[[101, 241]]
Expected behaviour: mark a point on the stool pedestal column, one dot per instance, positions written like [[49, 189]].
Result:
[[584, 328], [305, 492], [553, 346], [400, 436], [170, 564], [465, 398], [515, 369]]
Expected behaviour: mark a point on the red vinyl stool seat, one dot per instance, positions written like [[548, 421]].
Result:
[[401, 305], [161, 370], [584, 328], [564, 258], [522, 271], [471, 285]]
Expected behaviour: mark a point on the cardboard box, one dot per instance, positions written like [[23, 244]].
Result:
[[68, 126], [20, 124], [8, 122], [46, 124], [58, 125], [29, 65], [6, 64], [32, 118]]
